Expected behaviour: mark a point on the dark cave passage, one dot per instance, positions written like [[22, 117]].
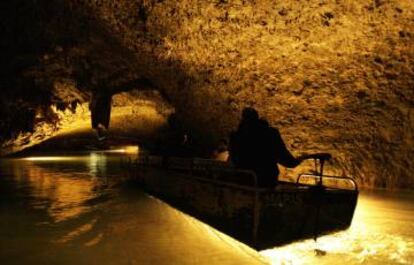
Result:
[[124, 137]]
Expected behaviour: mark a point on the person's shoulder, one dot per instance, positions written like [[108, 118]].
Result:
[[274, 130]]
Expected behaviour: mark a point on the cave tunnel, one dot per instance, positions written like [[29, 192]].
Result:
[[333, 77], [84, 79]]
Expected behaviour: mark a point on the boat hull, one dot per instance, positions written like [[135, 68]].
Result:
[[227, 200]]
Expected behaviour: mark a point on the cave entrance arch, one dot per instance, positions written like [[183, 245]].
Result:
[[134, 107]]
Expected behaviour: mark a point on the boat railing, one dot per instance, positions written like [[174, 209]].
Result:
[[339, 181], [214, 170], [198, 167], [224, 172], [320, 178]]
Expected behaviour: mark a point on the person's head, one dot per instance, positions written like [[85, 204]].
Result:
[[249, 114]]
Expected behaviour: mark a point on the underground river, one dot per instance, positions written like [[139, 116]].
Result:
[[78, 209]]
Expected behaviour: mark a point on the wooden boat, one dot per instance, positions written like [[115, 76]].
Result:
[[229, 199]]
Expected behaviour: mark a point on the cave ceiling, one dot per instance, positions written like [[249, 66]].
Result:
[[335, 76]]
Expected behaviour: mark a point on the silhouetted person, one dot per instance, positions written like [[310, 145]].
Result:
[[258, 147], [221, 152], [100, 107], [175, 141]]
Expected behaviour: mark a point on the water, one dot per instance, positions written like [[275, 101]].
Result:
[[382, 232], [78, 210]]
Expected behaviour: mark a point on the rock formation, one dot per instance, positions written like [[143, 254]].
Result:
[[335, 76]]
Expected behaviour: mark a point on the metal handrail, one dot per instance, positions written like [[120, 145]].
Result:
[[319, 161], [176, 163], [354, 183], [215, 166]]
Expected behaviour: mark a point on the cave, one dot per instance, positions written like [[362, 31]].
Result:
[[333, 77]]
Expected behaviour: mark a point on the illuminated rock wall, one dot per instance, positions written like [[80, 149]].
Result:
[[334, 76]]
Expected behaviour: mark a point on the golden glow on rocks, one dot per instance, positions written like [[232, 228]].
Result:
[[66, 121], [132, 117], [333, 76]]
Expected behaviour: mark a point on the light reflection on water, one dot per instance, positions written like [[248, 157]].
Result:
[[75, 210], [382, 232]]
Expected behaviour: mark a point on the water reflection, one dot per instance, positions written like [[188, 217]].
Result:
[[77, 211], [381, 233], [97, 164], [50, 158], [64, 194]]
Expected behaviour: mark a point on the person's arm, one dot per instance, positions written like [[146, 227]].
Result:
[[285, 158]]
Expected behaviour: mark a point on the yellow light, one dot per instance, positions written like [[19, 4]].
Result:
[[48, 158], [129, 149]]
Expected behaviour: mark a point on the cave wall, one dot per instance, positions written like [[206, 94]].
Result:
[[53, 59], [335, 76]]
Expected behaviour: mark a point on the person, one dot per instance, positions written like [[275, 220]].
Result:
[[221, 152], [259, 147], [175, 140], [100, 107]]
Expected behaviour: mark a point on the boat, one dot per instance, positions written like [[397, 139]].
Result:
[[229, 199]]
